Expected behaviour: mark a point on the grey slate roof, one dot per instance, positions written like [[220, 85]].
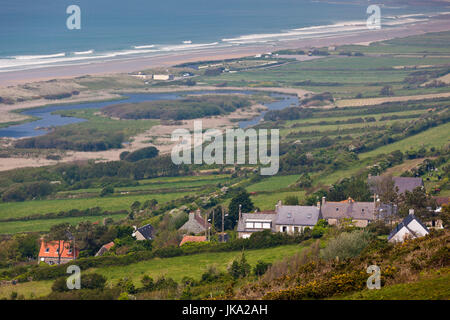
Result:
[[402, 183], [405, 223], [407, 183], [353, 209], [146, 231], [297, 215], [257, 216]]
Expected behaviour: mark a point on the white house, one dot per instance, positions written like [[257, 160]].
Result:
[[409, 228]]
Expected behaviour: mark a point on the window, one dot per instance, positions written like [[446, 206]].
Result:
[[47, 250], [284, 229], [258, 224], [295, 229], [337, 209]]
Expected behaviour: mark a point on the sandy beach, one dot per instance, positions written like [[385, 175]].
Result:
[[160, 134], [169, 59]]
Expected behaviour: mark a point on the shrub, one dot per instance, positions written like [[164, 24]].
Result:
[[60, 285], [165, 283], [148, 283], [126, 285], [106, 190], [93, 281], [261, 268], [346, 245]]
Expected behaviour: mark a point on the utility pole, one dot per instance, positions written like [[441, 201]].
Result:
[[223, 220], [206, 225], [212, 226]]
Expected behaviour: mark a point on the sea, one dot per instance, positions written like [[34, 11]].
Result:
[[34, 33]]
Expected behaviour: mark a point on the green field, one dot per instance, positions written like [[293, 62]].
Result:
[[267, 201], [194, 265], [45, 224], [176, 268], [28, 289], [274, 183], [112, 203], [435, 137], [156, 184]]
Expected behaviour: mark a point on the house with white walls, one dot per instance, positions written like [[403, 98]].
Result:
[[410, 228]]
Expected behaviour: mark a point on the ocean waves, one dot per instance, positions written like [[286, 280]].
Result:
[[86, 55]]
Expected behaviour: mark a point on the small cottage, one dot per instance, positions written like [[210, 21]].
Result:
[[409, 228], [57, 252]]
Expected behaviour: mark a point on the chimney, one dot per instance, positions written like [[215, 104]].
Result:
[[411, 211], [318, 204], [278, 205], [350, 200], [240, 211], [191, 215], [324, 200]]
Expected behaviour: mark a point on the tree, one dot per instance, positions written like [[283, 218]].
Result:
[[106, 190], [241, 198], [420, 202], [387, 91], [135, 206], [445, 216], [150, 204], [261, 268], [244, 266], [291, 201], [28, 245], [235, 270], [384, 187]]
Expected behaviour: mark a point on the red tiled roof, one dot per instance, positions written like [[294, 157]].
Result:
[[192, 239], [108, 245], [50, 249]]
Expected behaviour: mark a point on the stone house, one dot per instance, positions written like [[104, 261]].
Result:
[[105, 248], [49, 252], [361, 213], [196, 223]]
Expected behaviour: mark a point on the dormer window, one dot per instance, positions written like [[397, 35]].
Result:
[[289, 215], [337, 209], [47, 250]]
